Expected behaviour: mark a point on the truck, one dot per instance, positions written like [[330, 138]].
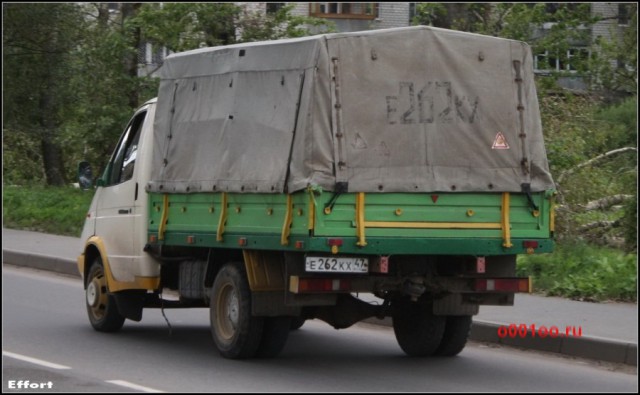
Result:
[[393, 173]]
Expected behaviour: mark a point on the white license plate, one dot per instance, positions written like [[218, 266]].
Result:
[[337, 265]]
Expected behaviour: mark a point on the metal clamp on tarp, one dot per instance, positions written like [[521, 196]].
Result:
[[341, 187], [526, 188]]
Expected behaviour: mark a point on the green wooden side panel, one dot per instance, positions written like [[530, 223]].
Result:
[[261, 218]]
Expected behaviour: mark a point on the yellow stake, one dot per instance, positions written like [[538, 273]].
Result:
[[223, 217], [506, 226]]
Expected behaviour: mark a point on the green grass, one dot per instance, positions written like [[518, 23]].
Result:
[[582, 271], [55, 210]]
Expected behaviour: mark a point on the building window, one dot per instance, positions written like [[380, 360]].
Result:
[[344, 10], [569, 61], [624, 13], [272, 8]]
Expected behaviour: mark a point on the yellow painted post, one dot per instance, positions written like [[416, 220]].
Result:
[[223, 217], [506, 226]]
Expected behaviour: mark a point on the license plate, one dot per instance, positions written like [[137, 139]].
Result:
[[337, 265]]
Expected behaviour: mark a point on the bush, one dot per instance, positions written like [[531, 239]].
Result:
[[582, 271]]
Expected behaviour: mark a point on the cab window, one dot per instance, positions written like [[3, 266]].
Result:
[[124, 158]]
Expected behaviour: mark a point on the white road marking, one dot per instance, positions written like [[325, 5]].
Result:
[[34, 360], [132, 386]]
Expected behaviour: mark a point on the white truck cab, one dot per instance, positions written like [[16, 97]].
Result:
[[114, 232]]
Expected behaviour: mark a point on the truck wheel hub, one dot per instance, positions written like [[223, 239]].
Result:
[[232, 310], [92, 294]]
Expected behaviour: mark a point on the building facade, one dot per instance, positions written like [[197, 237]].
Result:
[[349, 17]]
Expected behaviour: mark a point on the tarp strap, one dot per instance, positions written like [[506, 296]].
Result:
[[522, 135], [526, 188]]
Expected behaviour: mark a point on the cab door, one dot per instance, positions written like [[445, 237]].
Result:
[[115, 214]]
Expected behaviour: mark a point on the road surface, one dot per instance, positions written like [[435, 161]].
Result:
[[47, 339]]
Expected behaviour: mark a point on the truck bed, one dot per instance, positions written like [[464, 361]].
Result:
[[364, 223]]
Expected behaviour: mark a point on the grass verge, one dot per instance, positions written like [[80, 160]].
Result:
[[55, 210], [586, 272]]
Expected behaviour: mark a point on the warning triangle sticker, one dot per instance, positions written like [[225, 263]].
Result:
[[500, 142]]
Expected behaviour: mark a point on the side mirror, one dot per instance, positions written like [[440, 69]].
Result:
[[85, 175]]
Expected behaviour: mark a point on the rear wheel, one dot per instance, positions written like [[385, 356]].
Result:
[[455, 336], [297, 322], [236, 333], [101, 307], [418, 332], [274, 336]]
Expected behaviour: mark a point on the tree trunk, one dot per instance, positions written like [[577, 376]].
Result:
[[53, 163], [131, 62], [51, 151]]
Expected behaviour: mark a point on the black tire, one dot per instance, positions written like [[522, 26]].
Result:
[[418, 332], [274, 336], [236, 333], [297, 322], [456, 333], [101, 307]]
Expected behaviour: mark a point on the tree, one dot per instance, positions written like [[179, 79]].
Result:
[[105, 83], [554, 28], [184, 26], [616, 60], [38, 40], [258, 26]]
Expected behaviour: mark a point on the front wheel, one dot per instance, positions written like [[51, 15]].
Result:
[[418, 332], [236, 333], [101, 307]]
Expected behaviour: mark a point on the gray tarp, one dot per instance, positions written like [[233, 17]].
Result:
[[414, 109]]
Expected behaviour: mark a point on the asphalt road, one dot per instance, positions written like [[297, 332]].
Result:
[[44, 318]]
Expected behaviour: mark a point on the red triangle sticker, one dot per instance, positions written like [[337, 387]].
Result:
[[434, 198], [500, 142]]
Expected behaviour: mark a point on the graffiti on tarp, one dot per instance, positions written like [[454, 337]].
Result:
[[433, 102]]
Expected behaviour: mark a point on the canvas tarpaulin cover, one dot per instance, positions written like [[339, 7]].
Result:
[[415, 109]]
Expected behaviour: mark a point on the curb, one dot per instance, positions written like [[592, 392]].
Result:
[[589, 347]]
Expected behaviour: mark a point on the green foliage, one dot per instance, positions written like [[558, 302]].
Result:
[[622, 122], [551, 27], [184, 26], [583, 271], [630, 224], [615, 63], [256, 26], [430, 14], [21, 159], [55, 210], [577, 130], [38, 41], [101, 85]]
